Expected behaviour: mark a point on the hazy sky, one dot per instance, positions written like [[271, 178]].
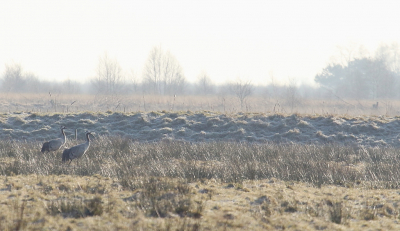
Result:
[[227, 39]]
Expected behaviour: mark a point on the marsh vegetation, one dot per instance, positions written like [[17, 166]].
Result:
[[169, 185], [182, 163]]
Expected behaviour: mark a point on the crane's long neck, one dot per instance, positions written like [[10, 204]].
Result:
[[87, 138], [62, 133]]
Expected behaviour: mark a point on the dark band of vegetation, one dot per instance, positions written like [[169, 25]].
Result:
[[128, 161]]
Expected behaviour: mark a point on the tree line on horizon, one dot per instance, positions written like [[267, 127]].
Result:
[[357, 75], [353, 74]]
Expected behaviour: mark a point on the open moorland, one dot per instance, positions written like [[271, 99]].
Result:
[[201, 170]]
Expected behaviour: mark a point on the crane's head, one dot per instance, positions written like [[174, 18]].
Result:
[[89, 133]]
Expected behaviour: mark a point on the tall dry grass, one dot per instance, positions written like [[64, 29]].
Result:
[[134, 184], [129, 161]]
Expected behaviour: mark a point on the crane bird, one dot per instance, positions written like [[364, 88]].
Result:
[[76, 151], [54, 145]]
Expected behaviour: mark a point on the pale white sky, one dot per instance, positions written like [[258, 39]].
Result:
[[249, 39]]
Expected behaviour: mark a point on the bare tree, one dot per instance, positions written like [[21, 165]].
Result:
[[152, 71], [13, 78], [242, 89], [172, 75], [204, 84], [163, 73], [109, 77], [390, 55]]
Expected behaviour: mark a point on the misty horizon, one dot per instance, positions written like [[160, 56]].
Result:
[[251, 40]]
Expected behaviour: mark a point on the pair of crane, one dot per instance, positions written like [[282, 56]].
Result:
[[70, 153]]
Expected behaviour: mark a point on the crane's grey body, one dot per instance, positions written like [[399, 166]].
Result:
[[54, 145], [76, 151]]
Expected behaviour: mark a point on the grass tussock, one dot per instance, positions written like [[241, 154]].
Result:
[[75, 208], [171, 185]]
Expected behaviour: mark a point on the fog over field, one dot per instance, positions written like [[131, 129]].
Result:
[[206, 126]]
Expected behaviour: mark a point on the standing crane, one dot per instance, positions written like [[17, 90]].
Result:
[[54, 145], [76, 151]]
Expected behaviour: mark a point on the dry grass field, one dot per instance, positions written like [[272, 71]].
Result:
[[199, 170], [123, 185], [224, 103], [64, 202]]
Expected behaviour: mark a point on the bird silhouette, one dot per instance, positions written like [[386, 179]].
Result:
[[76, 151], [54, 145]]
